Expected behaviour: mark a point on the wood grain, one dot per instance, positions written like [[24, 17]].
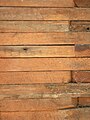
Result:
[[25, 105], [82, 3], [44, 38], [37, 51], [34, 26], [39, 64], [38, 3], [72, 114], [80, 26], [81, 76], [40, 91], [35, 77], [84, 101], [78, 50], [18, 13]]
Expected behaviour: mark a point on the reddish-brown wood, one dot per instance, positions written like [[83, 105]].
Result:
[[81, 76], [38, 3], [10, 13], [35, 77], [44, 38], [84, 101], [82, 3]]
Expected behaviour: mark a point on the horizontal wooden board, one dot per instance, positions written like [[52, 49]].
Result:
[[81, 76], [36, 104], [45, 51], [44, 38], [84, 101], [40, 91], [82, 3], [18, 13], [39, 64], [80, 26], [35, 77], [71, 114], [37, 51], [34, 26], [38, 3], [82, 50]]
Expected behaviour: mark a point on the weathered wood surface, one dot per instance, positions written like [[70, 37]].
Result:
[[82, 3], [39, 64], [81, 76], [35, 77], [38, 3], [44, 38], [73, 114], [37, 51], [45, 51], [43, 91], [18, 13], [80, 26], [36, 104], [34, 26]]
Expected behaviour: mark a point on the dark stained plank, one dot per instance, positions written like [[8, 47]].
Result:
[[42, 64], [38, 3], [81, 76], [82, 3], [34, 26], [44, 38], [71, 114], [80, 26], [14, 92], [18, 13], [35, 77], [82, 50], [84, 101]]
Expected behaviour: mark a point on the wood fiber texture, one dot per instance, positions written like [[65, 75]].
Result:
[[44, 59]]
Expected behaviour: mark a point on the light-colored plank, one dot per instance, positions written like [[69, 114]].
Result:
[[80, 26], [11, 13], [81, 76], [44, 38], [34, 26], [84, 101], [82, 3], [40, 91], [71, 114], [38, 3], [36, 104], [39, 64], [82, 50], [37, 51], [35, 77]]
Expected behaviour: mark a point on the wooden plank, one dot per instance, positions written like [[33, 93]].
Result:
[[45, 51], [37, 51], [81, 76], [39, 91], [34, 26], [25, 105], [82, 50], [71, 114], [42, 64], [44, 38], [80, 26], [35, 77], [18, 13], [38, 3], [84, 101], [82, 3]]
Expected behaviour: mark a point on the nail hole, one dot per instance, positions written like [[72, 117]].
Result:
[[88, 28], [25, 49]]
